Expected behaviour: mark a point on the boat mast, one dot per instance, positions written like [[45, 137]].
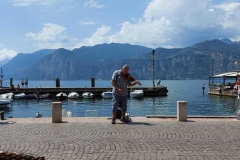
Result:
[[212, 67], [153, 84], [1, 77]]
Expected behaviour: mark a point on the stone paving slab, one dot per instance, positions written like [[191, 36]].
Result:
[[142, 138]]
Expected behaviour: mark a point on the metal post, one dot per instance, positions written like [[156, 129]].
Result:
[[11, 80], [153, 84], [57, 82], [212, 67], [92, 82], [203, 87]]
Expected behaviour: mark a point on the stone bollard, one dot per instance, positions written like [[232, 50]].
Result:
[[181, 110], [56, 112]]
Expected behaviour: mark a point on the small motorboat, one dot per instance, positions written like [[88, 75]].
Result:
[[32, 96], [107, 94], [19, 96], [4, 103], [73, 95], [61, 94], [8, 96], [87, 95], [136, 94], [43, 95]]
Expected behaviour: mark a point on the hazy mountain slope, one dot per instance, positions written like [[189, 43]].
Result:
[[23, 61], [194, 62]]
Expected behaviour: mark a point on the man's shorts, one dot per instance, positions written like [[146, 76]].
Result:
[[116, 100]]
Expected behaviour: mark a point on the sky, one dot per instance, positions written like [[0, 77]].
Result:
[[27, 26]]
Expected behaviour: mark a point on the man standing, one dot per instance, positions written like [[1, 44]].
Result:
[[158, 83], [120, 81], [22, 83], [26, 83]]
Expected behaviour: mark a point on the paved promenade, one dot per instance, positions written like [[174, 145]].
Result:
[[143, 138]]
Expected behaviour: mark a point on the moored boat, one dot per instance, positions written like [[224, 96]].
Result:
[[136, 94], [43, 95], [87, 95], [7, 96], [61, 94], [32, 96], [107, 94], [19, 96], [73, 95], [4, 103]]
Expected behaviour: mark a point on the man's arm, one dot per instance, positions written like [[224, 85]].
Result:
[[133, 84], [115, 86]]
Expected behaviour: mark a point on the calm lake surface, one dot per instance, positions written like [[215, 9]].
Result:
[[186, 90]]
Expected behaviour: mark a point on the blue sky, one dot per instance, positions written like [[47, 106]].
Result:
[[30, 25]]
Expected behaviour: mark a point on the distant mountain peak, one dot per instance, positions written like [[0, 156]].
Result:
[[211, 43], [228, 41]]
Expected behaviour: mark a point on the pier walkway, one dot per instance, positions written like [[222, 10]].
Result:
[[143, 138]]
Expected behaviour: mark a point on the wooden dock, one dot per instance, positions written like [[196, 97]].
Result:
[[97, 91]]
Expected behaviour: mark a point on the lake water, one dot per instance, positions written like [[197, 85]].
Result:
[[186, 90]]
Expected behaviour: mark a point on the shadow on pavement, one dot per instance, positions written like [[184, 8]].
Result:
[[7, 122]]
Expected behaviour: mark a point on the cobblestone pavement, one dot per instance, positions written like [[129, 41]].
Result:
[[143, 138]]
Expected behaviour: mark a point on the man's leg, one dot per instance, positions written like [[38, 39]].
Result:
[[114, 114], [124, 106], [116, 100], [123, 115]]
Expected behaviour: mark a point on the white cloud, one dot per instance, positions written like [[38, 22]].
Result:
[[93, 3], [30, 2], [176, 24], [6, 54], [86, 23], [231, 14], [51, 36], [97, 38]]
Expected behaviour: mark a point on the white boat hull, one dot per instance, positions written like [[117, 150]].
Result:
[[136, 94], [32, 96], [61, 93], [4, 103], [19, 96], [7, 96], [73, 95], [87, 95], [107, 95], [42, 96]]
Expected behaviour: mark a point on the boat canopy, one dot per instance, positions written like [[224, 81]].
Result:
[[227, 74], [228, 78]]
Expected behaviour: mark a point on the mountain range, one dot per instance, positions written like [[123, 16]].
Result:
[[100, 61]]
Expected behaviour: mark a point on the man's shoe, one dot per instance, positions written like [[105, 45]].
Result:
[[113, 120]]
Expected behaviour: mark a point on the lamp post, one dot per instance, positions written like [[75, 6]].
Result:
[[153, 84]]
